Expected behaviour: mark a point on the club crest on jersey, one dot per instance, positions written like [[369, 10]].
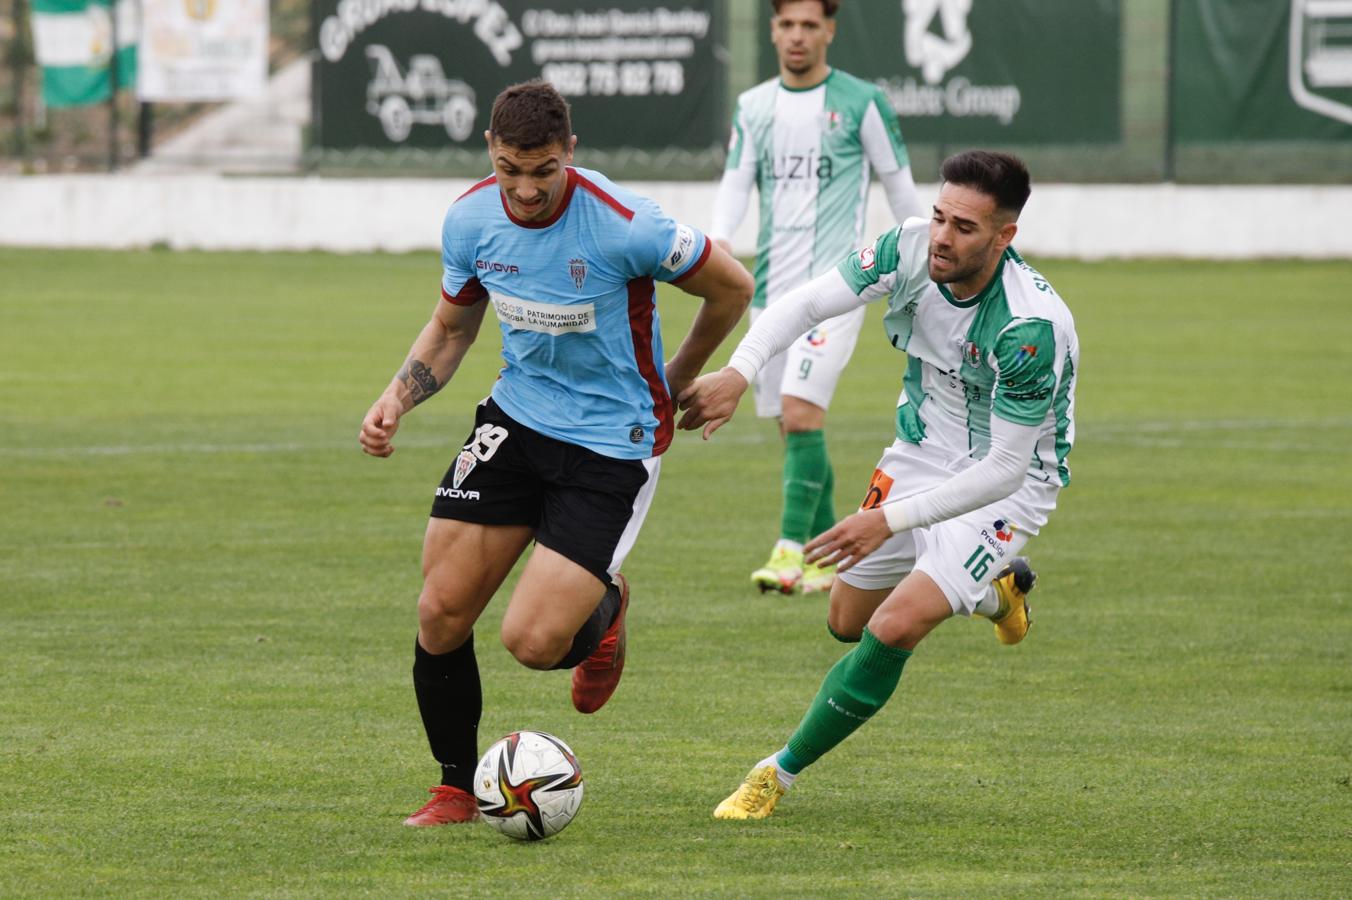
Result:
[[464, 464], [972, 354], [867, 259], [830, 120], [577, 268]]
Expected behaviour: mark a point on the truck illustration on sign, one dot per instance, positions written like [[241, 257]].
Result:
[[422, 95]]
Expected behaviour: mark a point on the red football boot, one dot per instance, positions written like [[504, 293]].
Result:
[[448, 806], [597, 676]]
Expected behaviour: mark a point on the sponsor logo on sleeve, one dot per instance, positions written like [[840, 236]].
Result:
[[682, 248], [636, 435], [867, 258]]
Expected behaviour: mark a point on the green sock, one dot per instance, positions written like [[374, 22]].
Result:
[[825, 516], [855, 688], [806, 469]]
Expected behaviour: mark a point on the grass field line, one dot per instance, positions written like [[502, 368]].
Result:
[[1145, 434]]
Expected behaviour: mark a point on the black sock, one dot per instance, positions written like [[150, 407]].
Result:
[[592, 630], [450, 700]]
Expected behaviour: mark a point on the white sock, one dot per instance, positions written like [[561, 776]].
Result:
[[785, 779], [990, 604], [787, 544]]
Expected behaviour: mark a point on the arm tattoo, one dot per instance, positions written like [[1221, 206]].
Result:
[[419, 380]]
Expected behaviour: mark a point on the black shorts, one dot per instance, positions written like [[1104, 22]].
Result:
[[582, 505]]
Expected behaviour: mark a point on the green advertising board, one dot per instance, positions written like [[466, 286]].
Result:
[[1262, 70], [423, 73], [985, 71]]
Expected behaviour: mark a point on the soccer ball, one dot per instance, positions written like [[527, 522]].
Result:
[[529, 785]]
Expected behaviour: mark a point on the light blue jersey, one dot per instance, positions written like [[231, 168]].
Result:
[[576, 300]]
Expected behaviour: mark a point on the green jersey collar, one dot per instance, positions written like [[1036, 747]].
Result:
[[981, 294], [793, 90]]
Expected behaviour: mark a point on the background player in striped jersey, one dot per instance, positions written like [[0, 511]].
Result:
[[566, 450], [984, 426], [806, 140]]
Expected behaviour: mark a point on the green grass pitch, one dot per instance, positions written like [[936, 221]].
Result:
[[207, 613]]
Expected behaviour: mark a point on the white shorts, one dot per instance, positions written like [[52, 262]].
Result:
[[811, 367], [962, 555]]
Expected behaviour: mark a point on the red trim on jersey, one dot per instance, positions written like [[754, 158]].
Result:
[[601, 195], [641, 309], [491, 179], [554, 216], [471, 293], [697, 264]]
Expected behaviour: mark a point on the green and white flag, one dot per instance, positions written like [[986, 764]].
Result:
[[73, 42]]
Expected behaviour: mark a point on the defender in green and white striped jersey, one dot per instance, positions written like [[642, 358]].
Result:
[[808, 141], [984, 426]]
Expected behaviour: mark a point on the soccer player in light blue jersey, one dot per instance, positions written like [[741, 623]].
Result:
[[566, 450], [807, 141]]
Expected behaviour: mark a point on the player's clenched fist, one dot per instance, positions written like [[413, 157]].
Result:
[[379, 426]]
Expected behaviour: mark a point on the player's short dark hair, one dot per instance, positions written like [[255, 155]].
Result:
[[531, 115], [999, 175], [829, 7]]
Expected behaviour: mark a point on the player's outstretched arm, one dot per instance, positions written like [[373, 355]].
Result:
[[431, 361], [726, 288], [996, 475], [710, 401]]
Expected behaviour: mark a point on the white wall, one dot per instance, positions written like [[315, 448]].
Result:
[[347, 215]]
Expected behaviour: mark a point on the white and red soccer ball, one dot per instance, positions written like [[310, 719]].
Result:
[[529, 785]]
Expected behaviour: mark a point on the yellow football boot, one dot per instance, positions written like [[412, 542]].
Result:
[[818, 578], [755, 799], [783, 573], [1013, 584]]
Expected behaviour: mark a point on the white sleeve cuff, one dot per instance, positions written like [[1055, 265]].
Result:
[[896, 515], [744, 368]]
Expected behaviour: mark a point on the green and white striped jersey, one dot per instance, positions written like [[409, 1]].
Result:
[[809, 153], [1011, 350]]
